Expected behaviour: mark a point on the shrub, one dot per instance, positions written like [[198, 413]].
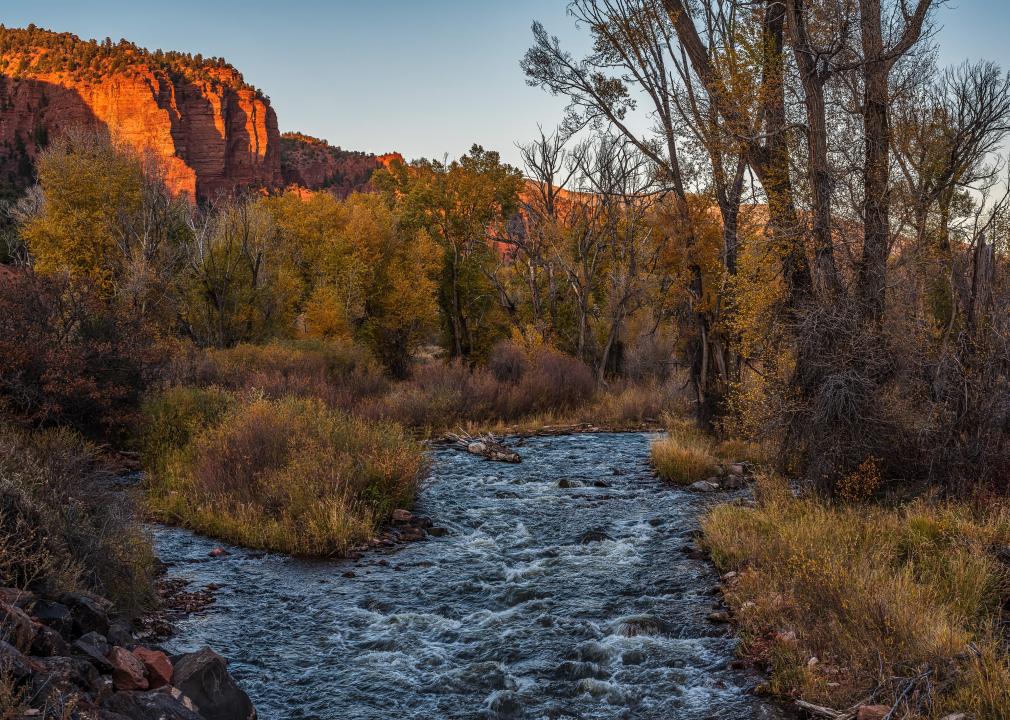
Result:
[[290, 475], [61, 526], [555, 381], [338, 372], [173, 417], [888, 601], [507, 361], [66, 358], [684, 456]]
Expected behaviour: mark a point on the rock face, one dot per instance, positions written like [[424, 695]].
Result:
[[315, 164], [210, 131]]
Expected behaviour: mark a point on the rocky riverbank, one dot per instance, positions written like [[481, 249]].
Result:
[[72, 656]]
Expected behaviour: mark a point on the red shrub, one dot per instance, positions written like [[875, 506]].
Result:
[[66, 357]]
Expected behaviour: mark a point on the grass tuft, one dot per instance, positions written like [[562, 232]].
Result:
[[684, 455]]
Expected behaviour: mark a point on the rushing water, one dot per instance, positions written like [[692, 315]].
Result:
[[542, 602]]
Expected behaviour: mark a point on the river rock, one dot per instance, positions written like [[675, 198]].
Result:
[[148, 705], [203, 677], [128, 672], [157, 666], [94, 648], [48, 642], [21, 599], [703, 486], [55, 615], [13, 663], [218, 552], [88, 613], [16, 627], [591, 536], [68, 675], [402, 516], [121, 633], [736, 469], [718, 616], [733, 482], [437, 531]]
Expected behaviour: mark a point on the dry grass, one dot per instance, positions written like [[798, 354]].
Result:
[[288, 475], [891, 603], [685, 455], [61, 526]]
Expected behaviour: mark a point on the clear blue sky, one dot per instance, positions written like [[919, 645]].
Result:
[[425, 77]]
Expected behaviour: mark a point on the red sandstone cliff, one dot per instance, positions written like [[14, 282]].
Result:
[[315, 164], [211, 131]]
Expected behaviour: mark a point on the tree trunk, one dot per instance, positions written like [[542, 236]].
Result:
[[876, 185]]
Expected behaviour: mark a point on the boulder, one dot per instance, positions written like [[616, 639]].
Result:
[[121, 633], [402, 516], [13, 663], [68, 675], [203, 677], [89, 614], [94, 648], [872, 712], [437, 531], [16, 627], [410, 533], [128, 672], [703, 486], [21, 599], [55, 615], [48, 642], [149, 705], [157, 666], [733, 482], [735, 469], [95, 640]]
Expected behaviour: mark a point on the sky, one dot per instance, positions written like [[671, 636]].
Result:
[[422, 77]]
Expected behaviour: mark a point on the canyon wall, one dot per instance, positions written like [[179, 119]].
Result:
[[210, 131]]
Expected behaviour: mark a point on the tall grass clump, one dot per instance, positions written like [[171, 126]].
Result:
[[63, 527], [859, 603], [289, 475], [684, 455]]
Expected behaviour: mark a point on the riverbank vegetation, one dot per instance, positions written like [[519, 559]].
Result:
[[288, 475], [844, 307], [63, 526], [849, 604]]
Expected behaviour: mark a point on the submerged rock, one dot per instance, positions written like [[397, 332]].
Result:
[[703, 486]]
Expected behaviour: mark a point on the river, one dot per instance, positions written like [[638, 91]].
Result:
[[546, 599]]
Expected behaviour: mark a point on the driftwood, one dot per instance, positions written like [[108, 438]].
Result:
[[824, 712], [484, 445]]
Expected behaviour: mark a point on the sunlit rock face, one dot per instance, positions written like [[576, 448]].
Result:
[[210, 131], [309, 162]]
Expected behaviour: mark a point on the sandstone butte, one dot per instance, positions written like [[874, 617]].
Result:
[[210, 131]]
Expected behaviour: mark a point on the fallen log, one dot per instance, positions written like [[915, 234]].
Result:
[[825, 712], [486, 446]]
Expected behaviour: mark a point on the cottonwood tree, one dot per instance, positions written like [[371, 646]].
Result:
[[463, 206]]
